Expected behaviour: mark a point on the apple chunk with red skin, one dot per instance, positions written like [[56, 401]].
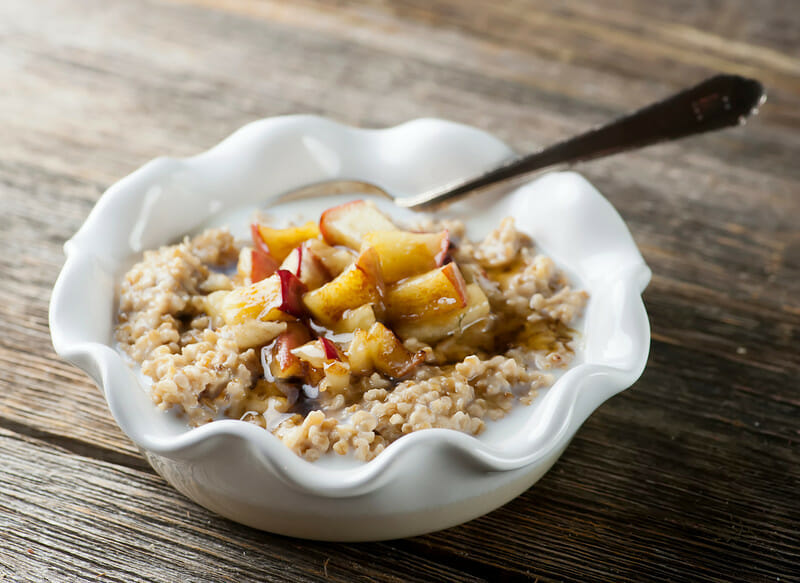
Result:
[[436, 292], [324, 365], [330, 349], [261, 263], [404, 254], [280, 242], [278, 297], [255, 263], [347, 223], [307, 266], [359, 284], [277, 358], [316, 353]]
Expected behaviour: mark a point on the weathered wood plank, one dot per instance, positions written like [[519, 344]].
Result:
[[691, 474], [125, 525]]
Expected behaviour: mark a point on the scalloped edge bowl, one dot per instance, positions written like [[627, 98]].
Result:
[[424, 481]]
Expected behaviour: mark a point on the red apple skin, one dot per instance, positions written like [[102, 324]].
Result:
[[454, 275], [294, 261], [300, 254], [307, 266], [262, 265], [369, 263], [277, 358], [442, 255], [258, 241], [331, 351], [292, 290], [328, 218]]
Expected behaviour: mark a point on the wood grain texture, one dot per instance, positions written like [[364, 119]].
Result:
[[691, 475], [126, 525]]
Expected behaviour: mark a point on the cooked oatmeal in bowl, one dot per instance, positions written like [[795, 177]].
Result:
[[344, 334]]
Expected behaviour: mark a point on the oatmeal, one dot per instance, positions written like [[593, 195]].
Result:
[[346, 334]]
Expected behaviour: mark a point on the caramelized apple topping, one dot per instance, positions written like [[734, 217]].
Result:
[[347, 292], [354, 296]]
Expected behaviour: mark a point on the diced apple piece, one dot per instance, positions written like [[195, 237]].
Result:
[[254, 333], [380, 349], [359, 354], [323, 365], [307, 266], [330, 349], [389, 356], [262, 265], [359, 284], [280, 242], [436, 292], [337, 377], [277, 358], [256, 263], [335, 259], [277, 297], [438, 327], [362, 318], [258, 241], [404, 254], [347, 223], [311, 352]]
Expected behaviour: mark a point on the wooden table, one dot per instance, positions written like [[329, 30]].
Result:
[[693, 474]]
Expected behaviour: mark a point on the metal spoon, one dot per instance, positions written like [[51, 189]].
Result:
[[718, 102]]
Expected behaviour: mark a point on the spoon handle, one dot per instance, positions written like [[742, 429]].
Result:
[[717, 102]]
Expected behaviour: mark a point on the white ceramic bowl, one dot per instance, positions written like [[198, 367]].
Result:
[[427, 480]]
